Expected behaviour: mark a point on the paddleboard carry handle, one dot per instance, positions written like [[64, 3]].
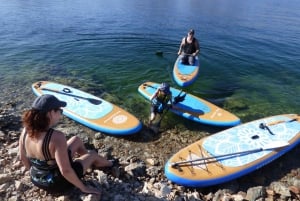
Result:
[[67, 90]]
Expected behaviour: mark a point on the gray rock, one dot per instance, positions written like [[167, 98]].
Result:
[[255, 193]]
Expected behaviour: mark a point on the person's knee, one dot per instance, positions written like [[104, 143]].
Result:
[[76, 145]]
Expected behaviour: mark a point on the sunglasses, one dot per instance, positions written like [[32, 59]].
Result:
[[59, 109]]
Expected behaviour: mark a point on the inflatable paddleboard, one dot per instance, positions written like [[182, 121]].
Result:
[[185, 75], [194, 108], [90, 110], [234, 152]]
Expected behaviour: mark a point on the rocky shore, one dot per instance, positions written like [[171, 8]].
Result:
[[139, 174]]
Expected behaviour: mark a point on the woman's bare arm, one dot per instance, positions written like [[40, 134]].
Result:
[[22, 151]]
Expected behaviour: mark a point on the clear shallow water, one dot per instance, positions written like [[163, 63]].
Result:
[[250, 62]]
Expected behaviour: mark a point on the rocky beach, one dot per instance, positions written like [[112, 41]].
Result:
[[139, 174]]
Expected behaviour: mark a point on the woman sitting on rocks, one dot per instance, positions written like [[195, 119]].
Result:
[[55, 163]]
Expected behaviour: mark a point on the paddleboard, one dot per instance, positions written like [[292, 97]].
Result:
[[234, 152], [185, 75], [90, 110], [194, 108]]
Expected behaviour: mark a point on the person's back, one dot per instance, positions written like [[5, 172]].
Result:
[[44, 170], [34, 147]]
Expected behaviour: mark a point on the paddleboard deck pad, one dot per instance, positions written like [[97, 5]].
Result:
[[185, 75], [90, 110], [194, 108], [234, 152]]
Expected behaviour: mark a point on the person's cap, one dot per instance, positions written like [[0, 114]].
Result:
[[165, 87], [47, 103], [191, 31]]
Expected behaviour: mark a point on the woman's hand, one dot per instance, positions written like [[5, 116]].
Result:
[[90, 190]]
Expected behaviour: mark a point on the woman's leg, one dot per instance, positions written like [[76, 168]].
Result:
[[152, 114], [93, 159], [191, 60], [86, 158], [76, 145]]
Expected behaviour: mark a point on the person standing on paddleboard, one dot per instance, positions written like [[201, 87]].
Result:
[[189, 48], [159, 100], [55, 163]]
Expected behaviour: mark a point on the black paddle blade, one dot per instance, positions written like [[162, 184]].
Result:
[[94, 101], [159, 53], [179, 99]]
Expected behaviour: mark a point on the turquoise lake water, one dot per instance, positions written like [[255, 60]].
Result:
[[250, 58]]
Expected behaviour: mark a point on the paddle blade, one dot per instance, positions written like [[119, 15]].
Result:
[[159, 53], [94, 101], [179, 99], [275, 145]]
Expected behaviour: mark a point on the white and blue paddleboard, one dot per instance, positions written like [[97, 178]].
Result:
[[185, 75], [234, 152], [194, 108], [90, 110]]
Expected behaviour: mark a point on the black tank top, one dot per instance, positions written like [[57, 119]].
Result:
[[49, 162], [189, 48]]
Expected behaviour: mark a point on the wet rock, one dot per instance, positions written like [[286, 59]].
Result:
[[4, 178], [255, 193], [136, 169], [91, 197], [281, 189]]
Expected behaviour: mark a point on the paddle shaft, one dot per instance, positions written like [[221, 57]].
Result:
[[216, 157], [91, 100], [160, 53], [168, 109], [230, 154]]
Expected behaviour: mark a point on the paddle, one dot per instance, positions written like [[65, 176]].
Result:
[[272, 145], [160, 53], [177, 99], [67, 91]]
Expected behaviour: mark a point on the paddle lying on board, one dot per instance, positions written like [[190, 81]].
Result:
[[270, 146], [67, 92]]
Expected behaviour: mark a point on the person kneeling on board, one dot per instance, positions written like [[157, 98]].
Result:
[[159, 101], [55, 163], [189, 48]]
